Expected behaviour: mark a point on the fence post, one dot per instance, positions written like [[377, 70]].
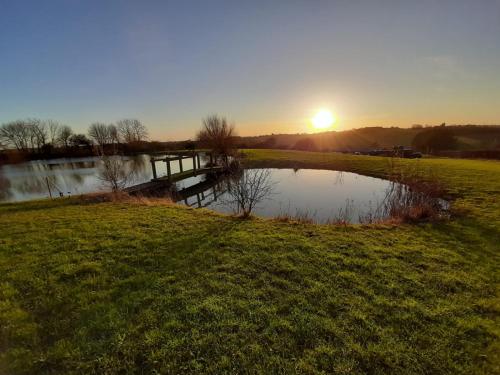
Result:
[[153, 166], [169, 172]]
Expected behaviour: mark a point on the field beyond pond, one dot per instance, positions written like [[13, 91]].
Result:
[[145, 287]]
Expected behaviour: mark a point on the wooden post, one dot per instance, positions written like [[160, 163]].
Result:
[[202, 195], [180, 164], [153, 166], [211, 159], [169, 172], [215, 194], [198, 199], [198, 158], [48, 187], [194, 164]]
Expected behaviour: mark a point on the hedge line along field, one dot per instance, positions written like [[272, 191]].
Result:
[[154, 287]]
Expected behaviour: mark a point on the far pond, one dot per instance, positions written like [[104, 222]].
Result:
[[318, 195]]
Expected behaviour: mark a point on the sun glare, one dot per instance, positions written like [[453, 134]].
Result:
[[323, 120]]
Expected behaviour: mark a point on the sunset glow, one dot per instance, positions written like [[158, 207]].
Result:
[[323, 120]]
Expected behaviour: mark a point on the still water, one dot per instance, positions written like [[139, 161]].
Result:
[[317, 195], [320, 195], [70, 176]]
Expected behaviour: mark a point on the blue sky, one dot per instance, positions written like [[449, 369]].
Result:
[[267, 65]]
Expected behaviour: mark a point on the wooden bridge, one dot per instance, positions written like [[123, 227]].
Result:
[[158, 182]]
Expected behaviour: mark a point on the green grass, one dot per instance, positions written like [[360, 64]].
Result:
[[139, 288]]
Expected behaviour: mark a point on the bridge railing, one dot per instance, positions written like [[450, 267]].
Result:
[[180, 156]]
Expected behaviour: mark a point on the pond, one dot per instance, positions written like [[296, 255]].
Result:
[[319, 196], [314, 195]]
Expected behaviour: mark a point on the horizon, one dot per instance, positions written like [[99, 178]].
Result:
[[313, 133], [269, 68]]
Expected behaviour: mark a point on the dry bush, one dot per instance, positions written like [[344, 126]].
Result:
[[414, 201], [344, 214], [415, 195], [245, 192], [114, 172], [300, 217]]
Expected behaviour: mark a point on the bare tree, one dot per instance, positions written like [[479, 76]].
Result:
[[218, 135], [16, 134], [64, 136], [249, 190], [114, 172], [30, 126], [114, 136], [132, 130], [125, 130], [101, 133], [139, 130], [53, 128], [38, 133]]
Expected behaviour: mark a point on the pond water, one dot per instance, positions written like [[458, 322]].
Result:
[[69, 176], [317, 195]]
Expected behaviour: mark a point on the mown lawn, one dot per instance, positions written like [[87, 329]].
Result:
[[145, 288]]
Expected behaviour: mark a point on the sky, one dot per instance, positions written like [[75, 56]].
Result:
[[268, 66]]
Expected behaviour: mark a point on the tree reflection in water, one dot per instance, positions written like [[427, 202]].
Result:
[[29, 180], [5, 192]]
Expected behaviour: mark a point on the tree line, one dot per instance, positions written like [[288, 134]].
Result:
[[41, 136]]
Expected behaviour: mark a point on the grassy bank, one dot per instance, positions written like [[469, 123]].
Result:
[[136, 287]]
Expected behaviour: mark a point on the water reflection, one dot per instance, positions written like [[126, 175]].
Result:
[[34, 180], [5, 192], [72, 176], [316, 195], [202, 193], [310, 195]]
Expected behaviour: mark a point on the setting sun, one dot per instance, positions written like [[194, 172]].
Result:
[[323, 120]]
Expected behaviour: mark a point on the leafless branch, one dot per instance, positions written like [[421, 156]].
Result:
[[249, 190], [114, 172]]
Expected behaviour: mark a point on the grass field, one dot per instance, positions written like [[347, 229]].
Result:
[[156, 287]]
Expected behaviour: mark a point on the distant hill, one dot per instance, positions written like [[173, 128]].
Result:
[[449, 140], [462, 141], [466, 137]]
